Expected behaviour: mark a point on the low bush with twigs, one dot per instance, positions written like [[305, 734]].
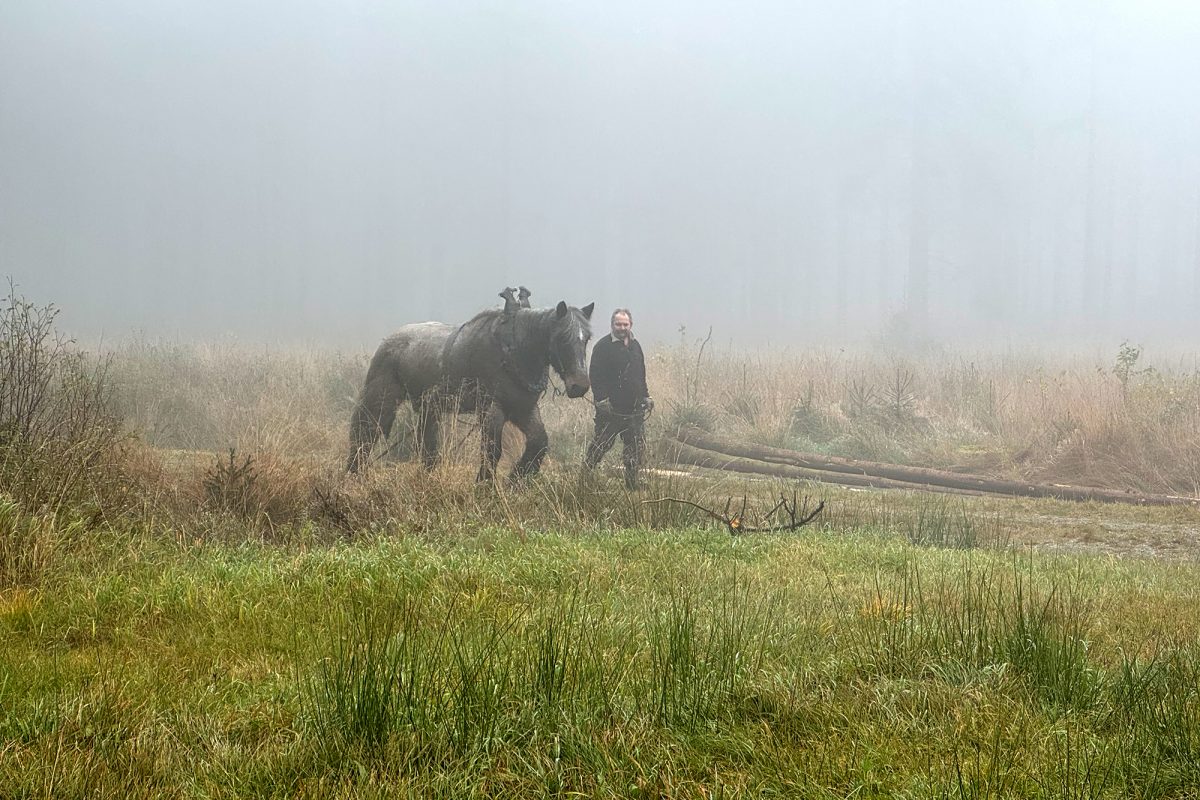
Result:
[[60, 438]]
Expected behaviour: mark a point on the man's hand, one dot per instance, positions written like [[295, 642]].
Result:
[[648, 404], [604, 406]]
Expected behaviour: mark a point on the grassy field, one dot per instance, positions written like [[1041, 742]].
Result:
[[908, 646], [196, 602]]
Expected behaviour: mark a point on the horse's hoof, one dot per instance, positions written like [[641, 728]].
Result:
[[516, 480]]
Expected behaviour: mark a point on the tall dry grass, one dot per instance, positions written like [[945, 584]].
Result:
[[284, 415], [1069, 420], [1119, 424]]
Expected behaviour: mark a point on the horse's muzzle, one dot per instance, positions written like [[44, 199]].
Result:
[[577, 389]]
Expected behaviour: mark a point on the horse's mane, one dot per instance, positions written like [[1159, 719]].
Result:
[[489, 313], [521, 324], [522, 316]]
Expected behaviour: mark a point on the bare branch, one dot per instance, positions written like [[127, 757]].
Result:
[[798, 514]]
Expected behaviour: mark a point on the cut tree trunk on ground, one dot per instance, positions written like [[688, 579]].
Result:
[[760, 459], [695, 457]]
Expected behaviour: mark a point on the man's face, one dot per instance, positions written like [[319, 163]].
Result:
[[621, 326]]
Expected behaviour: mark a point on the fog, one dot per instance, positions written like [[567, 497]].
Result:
[[785, 172]]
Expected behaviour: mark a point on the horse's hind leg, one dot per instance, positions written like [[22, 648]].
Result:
[[373, 415], [536, 445], [428, 432], [491, 433]]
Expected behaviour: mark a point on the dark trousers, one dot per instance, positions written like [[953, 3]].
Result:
[[631, 429]]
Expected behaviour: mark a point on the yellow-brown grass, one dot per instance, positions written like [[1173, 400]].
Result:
[[1069, 421]]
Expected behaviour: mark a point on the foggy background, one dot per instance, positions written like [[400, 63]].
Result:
[[787, 172]]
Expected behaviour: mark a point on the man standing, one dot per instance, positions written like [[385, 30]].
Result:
[[618, 375]]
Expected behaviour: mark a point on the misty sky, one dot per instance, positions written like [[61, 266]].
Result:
[[783, 171]]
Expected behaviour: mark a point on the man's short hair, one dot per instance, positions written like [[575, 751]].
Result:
[[624, 311]]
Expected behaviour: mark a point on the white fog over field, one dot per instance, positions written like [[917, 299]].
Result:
[[788, 173]]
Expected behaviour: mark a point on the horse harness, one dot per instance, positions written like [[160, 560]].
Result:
[[535, 386]]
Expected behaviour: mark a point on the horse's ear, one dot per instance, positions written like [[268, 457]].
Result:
[[587, 310], [561, 310]]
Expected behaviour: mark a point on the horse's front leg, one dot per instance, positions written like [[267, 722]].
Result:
[[428, 432], [491, 431], [536, 444], [373, 415]]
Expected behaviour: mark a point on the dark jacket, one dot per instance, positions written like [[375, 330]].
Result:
[[618, 373]]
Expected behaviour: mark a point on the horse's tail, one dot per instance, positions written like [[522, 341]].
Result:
[[375, 410]]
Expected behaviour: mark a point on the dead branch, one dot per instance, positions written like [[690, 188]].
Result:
[[334, 508], [796, 510]]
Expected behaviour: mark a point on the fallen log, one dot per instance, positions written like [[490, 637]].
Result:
[[851, 472], [695, 457]]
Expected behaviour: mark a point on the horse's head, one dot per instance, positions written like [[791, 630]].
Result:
[[570, 331]]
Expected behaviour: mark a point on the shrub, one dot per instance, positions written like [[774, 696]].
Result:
[[59, 440]]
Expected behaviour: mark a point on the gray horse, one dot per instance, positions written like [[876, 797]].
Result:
[[495, 365]]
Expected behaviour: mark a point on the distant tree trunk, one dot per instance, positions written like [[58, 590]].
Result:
[[1025, 296], [884, 267], [1171, 260], [918, 220], [885, 304], [1059, 281], [796, 266], [918, 237], [1088, 288], [1131, 261], [842, 290], [1105, 268], [1195, 309]]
